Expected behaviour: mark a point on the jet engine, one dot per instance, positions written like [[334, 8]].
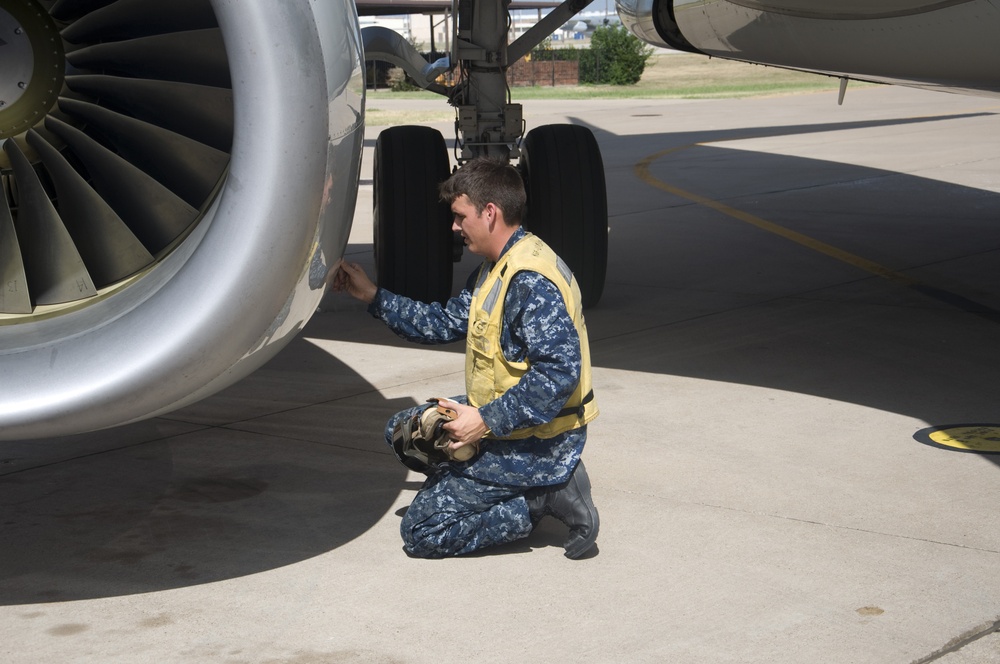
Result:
[[948, 46], [178, 179]]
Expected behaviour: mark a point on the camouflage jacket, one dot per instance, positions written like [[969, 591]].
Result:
[[537, 329]]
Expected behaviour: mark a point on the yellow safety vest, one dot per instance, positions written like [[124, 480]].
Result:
[[488, 374]]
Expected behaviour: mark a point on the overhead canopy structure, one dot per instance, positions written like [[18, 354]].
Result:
[[400, 7]]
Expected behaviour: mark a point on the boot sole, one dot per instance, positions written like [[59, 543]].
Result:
[[579, 547]]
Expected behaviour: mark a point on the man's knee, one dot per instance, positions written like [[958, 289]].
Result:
[[423, 540], [423, 548]]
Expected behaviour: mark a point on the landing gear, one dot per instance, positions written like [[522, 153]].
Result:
[[561, 163], [567, 201], [412, 228]]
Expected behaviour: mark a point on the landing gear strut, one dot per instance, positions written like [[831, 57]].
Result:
[[561, 164]]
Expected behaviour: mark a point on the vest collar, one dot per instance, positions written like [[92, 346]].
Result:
[[514, 239]]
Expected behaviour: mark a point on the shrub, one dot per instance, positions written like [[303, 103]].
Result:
[[618, 57], [399, 82]]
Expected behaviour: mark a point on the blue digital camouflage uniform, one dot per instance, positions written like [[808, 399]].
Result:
[[466, 506]]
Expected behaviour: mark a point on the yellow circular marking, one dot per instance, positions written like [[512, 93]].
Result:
[[980, 438]]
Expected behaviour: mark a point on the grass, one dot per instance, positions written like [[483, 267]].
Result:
[[667, 76], [678, 76], [689, 76]]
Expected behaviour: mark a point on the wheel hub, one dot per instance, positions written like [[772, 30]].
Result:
[[33, 65]]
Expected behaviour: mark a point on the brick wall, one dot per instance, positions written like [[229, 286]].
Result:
[[543, 72]]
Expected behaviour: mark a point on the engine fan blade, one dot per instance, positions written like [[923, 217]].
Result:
[[128, 19], [188, 168], [13, 284], [155, 214], [67, 10], [53, 267], [108, 248], [201, 112], [197, 56]]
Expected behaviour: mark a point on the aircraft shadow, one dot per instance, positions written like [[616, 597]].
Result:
[[700, 292], [188, 499]]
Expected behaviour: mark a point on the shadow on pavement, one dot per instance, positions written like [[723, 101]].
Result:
[[174, 505]]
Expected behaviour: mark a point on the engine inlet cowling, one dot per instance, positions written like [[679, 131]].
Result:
[[164, 228]]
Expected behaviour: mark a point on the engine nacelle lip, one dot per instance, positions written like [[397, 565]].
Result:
[[637, 16], [653, 22]]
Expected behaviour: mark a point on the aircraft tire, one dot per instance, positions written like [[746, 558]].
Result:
[[412, 231], [567, 200]]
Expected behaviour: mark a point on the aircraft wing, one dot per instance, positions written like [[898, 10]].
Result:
[[400, 7], [948, 45]]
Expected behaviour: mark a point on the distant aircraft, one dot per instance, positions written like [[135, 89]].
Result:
[[586, 25], [178, 178]]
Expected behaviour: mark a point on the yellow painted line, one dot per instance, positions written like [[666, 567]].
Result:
[[642, 171]]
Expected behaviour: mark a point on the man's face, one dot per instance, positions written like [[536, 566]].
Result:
[[474, 226]]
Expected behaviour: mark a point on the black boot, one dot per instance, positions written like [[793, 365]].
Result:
[[572, 504]]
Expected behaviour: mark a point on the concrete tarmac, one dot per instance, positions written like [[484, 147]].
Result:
[[795, 289]]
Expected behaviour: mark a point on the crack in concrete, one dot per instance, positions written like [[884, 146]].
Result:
[[845, 527], [961, 641], [815, 523]]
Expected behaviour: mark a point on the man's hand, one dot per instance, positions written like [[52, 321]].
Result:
[[351, 277], [468, 427]]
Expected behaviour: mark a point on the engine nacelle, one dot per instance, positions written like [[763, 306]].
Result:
[[947, 46], [168, 245]]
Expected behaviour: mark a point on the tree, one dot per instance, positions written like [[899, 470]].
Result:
[[619, 56]]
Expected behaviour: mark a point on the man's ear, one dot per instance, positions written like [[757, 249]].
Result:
[[492, 212]]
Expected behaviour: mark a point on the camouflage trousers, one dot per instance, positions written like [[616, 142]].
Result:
[[454, 514]]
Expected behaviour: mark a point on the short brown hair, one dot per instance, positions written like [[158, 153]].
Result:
[[488, 180]]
